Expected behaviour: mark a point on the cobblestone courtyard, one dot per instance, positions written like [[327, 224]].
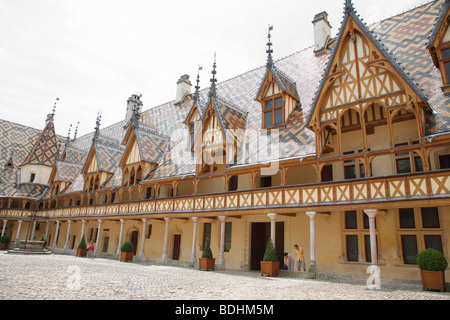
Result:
[[56, 277]]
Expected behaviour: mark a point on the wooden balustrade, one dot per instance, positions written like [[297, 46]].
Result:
[[399, 187]]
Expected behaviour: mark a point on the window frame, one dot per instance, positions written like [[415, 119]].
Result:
[[443, 62], [272, 110], [361, 233]]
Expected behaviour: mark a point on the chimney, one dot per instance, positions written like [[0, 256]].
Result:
[[183, 88], [322, 31], [133, 102]]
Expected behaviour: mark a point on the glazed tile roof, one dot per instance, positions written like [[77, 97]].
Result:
[[404, 37]]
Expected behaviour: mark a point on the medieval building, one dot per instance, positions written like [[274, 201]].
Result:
[[342, 148]]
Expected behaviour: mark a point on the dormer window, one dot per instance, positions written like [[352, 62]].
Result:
[[445, 64], [273, 112]]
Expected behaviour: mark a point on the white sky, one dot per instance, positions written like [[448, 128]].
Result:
[[93, 54]]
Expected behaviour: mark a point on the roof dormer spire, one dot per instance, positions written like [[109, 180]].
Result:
[[212, 89], [269, 50], [197, 87], [97, 127]]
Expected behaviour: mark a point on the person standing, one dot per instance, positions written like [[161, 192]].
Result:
[[300, 258]]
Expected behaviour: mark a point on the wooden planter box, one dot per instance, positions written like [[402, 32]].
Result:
[[81, 252], [126, 256], [206, 264], [433, 280], [3, 246], [271, 269]]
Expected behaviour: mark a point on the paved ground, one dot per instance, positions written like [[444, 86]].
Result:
[[56, 277]]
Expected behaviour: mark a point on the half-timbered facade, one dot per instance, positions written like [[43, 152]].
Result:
[[342, 148]]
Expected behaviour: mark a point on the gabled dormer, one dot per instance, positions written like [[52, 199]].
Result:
[[439, 45], [277, 95], [218, 134], [144, 148], [362, 90], [101, 162], [62, 176]]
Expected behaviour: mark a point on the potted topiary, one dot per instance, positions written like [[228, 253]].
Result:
[[82, 248], [126, 252], [432, 265], [4, 242], [270, 265], [206, 262]]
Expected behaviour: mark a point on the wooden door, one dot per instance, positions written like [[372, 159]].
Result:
[[176, 247]]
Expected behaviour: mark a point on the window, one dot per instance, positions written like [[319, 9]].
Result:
[[446, 65], [357, 235], [273, 112], [407, 219], [266, 182], [191, 134], [430, 218], [444, 161], [407, 162], [32, 177], [409, 246], [352, 248], [227, 244], [419, 229], [327, 173], [351, 220], [233, 184]]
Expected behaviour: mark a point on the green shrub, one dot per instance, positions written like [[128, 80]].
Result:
[[82, 244], [5, 239], [431, 260], [207, 253], [41, 238], [127, 246], [270, 255]]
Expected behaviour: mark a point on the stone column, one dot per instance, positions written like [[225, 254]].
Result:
[[166, 239], [4, 227], [144, 226], [122, 221], [273, 217], [194, 242], [221, 261], [66, 245], [18, 232], [82, 229], [33, 230], [312, 243], [97, 242], [372, 213], [55, 241], [46, 230]]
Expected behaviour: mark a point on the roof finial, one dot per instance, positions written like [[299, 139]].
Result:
[[212, 90], [51, 116], [97, 126], [349, 6], [269, 50], [197, 87], [68, 134], [76, 131]]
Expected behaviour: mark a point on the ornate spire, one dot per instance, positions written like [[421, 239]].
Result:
[[212, 89], [76, 131], [68, 134], [269, 50], [51, 116], [197, 87], [349, 6], [97, 127]]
